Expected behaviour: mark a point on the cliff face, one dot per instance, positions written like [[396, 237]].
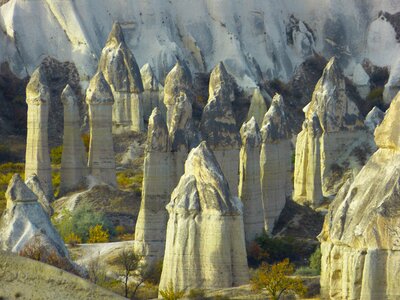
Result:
[[360, 248], [205, 245], [255, 39]]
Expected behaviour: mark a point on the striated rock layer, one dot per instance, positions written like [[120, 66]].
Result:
[[205, 245], [37, 160], [249, 181], [73, 159], [122, 73], [321, 146], [101, 160], [275, 161], [360, 237], [219, 128]]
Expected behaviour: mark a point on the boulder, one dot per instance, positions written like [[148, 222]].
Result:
[[275, 161], [101, 160], [359, 240], [205, 246], [249, 181], [120, 70]]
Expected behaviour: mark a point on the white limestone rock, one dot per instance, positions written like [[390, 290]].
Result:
[[249, 181], [275, 161], [374, 118], [73, 159], [119, 67], [342, 132], [153, 93], [361, 81], [33, 183], [218, 126], [37, 159], [25, 221], [205, 246], [101, 161], [258, 107], [359, 240]]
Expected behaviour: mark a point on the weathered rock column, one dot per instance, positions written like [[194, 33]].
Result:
[[219, 128], [73, 160], [101, 160], [249, 181], [119, 67], [152, 220], [37, 159], [205, 245], [153, 93], [258, 107], [274, 161]]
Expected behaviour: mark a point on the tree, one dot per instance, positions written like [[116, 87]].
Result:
[[128, 262], [96, 270], [275, 279]]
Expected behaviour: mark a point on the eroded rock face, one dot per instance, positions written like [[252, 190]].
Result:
[[101, 160], [33, 183], [249, 181], [275, 161], [73, 160], [218, 126], [153, 93], [37, 159], [258, 107], [25, 221], [205, 245], [330, 147], [359, 240], [119, 67], [374, 118]]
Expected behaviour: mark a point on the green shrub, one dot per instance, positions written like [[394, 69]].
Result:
[[170, 293], [315, 260], [56, 154], [306, 271], [98, 235], [56, 180], [80, 221]]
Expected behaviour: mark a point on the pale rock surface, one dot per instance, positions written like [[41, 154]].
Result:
[[37, 159], [153, 93], [205, 246], [119, 67], [25, 220], [361, 81], [101, 160], [340, 130], [359, 240], [33, 183], [35, 280], [249, 181], [152, 220], [374, 118], [275, 161], [218, 126], [258, 107], [73, 159]]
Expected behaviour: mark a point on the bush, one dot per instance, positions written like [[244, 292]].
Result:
[[98, 235], [56, 180], [72, 239], [315, 260], [80, 221], [170, 293], [56, 154]]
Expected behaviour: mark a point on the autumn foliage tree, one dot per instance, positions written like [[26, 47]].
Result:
[[277, 280]]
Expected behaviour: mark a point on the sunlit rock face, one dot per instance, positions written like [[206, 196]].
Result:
[[151, 224], [101, 162], [153, 93], [33, 183], [73, 159], [219, 128], [249, 181], [25, 221], [120, 70], [205, 246], [340, 130], [258, 107], [275, 161], [359, 240], [37, 159]]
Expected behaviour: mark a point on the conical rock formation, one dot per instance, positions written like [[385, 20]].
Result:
[[258, 107], [33, 183], [249, 181], [374, 118], [275, 161], [153, 93], [359, 240], [205, 245], [119, 67]]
